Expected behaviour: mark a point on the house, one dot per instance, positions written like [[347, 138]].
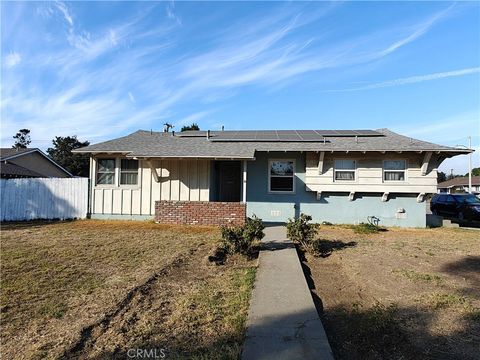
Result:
[[29, 163], [459, 184], [213, 177]]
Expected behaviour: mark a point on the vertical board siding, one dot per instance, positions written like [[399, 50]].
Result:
[[43, 198], [174, 181], [186, 180], [193, 180], [165, 180], [204, 179], [146, 188]]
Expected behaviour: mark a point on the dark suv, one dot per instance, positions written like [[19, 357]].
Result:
[[460, 206]]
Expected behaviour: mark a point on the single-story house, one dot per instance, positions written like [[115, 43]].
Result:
[[459, 184], [29, 163], [213, 177]]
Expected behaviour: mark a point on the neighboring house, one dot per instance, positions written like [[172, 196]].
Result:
[[459, 184], [30, 162], [213, 177]]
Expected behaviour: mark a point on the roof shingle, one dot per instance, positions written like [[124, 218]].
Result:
[[196, 144]]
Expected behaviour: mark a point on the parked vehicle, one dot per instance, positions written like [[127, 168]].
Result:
[[460, 206]]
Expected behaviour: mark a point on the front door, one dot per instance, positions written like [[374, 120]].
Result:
[[229, 181]]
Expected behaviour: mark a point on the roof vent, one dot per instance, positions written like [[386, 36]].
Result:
[[208, 134]]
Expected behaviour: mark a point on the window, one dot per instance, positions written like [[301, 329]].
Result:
[[106, 171], [128, 172], [442, 198], [281, 175], [451, 200], [394, 170], [344, 170]]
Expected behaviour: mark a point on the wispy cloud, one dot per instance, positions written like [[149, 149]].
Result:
[[452, 131], [12, 59], [462, 125], [64, 10], [90, 73], [419, 30], [414, 79], [193, 118], [170, 10]]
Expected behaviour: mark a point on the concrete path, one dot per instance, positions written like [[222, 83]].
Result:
[[282, 321]]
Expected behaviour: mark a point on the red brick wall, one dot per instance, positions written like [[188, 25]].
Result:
[[200, 212]]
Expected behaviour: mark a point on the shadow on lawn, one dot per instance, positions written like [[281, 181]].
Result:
[[326, 247], [30, 224], [354, 332], [391, 332], [467, 270], [378, 332], [395, 332]]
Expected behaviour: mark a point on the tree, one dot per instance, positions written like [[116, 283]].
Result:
[[194, 126], [441, 176], [475, 172], [22, 139], [76, 164]]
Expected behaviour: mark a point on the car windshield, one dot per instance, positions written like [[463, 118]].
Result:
[[470, 199]]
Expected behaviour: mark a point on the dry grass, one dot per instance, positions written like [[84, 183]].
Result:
[[90, 288], [401, 293]]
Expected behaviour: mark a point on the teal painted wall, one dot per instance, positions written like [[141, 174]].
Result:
[[332, 207]]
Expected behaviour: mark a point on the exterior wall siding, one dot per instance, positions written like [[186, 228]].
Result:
[[200, 212], [186, 180], [369, 173], [399, 210], [36, 162]]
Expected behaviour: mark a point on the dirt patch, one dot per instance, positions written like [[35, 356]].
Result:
[[402, 294], [97, 289]]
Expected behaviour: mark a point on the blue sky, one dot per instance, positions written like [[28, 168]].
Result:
[[101, 70]]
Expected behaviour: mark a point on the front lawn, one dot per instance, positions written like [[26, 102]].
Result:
[[401, 293], [97, 289]]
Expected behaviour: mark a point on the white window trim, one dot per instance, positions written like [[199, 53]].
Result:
[[270, 175], [116, 181], [355, 172], [404, 171], [97, 163], [128, 186]]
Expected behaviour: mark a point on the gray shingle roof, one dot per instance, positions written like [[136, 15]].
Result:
[[459, 181], [8, 170], [8, 152], [195, 144]]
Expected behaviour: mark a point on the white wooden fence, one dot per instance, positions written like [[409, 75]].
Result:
[[43, 198]]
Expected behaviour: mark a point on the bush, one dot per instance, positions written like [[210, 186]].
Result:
[[364, 228], [240, 238], [301, 231]]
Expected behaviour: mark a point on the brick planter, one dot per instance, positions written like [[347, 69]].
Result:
[[200, 212]]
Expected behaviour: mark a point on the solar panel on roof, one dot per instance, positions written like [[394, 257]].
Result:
[[288, 135], [267, 135], [369, 133]]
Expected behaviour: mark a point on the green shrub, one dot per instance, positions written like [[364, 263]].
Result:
[[253, 228], [240, 238], [364, 228], [301, 231]]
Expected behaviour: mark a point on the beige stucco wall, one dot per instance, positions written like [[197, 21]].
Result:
[[36, 162]]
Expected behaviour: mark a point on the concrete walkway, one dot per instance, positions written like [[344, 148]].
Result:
[[282, 321]]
